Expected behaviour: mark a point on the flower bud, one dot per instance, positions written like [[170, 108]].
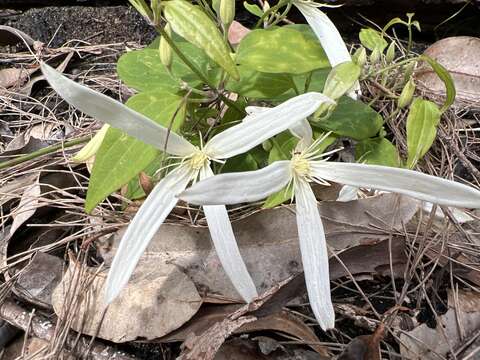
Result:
[[390, 55], [267, 145], [360, 56], [406, 96], [375, 55], [408, 70], [227, 12], [165, 49]]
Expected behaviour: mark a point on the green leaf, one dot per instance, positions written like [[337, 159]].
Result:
[[392, 22], [352, 119], [120, 156], [242, 162], [422, 122], [281, 50], [377, 151], [372, 39], [134, 190], [142, 70], [445, 76], [190, 22], [253, 9], [259, 85]]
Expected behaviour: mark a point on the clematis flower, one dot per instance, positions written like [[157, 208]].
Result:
[[194, 164], [307, 167]]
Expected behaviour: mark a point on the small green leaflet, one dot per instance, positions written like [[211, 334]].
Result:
[[341, 79], [121, 157], [372, 39], [353, 119], [377, 151], [281, 50], [242, 162], [422, 122], [445, 76], [253, 9], [190, 22]]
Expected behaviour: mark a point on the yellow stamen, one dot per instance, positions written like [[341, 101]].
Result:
[[300, 166], [198, 160]]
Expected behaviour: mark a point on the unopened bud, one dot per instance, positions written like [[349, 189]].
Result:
[[227, 12], [406, 95], [390, 55], [375, 55], [341, 79], [165, 49], [360, 56], [408, 70], [267, 145]]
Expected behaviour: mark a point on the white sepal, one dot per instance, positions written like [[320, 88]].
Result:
[[408, 182], [145, 224], [263, 125], [348, 193], [234, 188], [303, 131], [313, 247], [226, 247], [327, 33], [114, 113]]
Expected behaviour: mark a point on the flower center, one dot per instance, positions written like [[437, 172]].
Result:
[[300, 166], [198, 160]]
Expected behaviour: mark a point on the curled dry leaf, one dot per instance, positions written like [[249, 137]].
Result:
[[459, 55], [454, 330], [364, 347], [283, 321], [29, 202], [268, 242], [147, 308]]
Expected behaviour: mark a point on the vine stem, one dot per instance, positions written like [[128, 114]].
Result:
[[44, 151], [192, 67]]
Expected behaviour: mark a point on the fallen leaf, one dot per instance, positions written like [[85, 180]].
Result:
[[236, 32], [39, 278], [268, 242], [364, 347], [15, 77], [283, 321], [147, 308], [12, 36], [425, 343], [459, 55], [29, 202]]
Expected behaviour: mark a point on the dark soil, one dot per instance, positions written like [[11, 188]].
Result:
[[97, 25]]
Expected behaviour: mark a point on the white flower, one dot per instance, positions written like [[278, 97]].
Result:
[[306, 167], [195, 163]]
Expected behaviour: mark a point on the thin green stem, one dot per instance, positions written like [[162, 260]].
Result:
[[192, 67], [44, 151], [272, 10]]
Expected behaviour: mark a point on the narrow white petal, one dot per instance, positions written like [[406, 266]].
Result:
[[145, 224], [234, 188], [459, 215], [107, 110], [313, 247], [253, 110], [326, 32], [303, 131], [263, 125], [402, 181], [348, 193], [226, 247]]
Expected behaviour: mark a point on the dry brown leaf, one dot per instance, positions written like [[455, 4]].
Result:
[[459, 55], [283, 321], [452, 331], [39, 278], [15, 77], [364, 347], [29, 202], [236, 32], [268, 241], [147, 307]]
